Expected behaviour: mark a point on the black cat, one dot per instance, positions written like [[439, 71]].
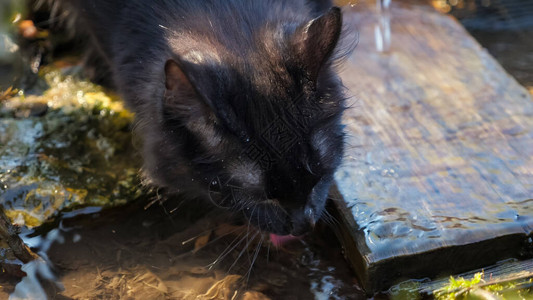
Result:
[[236, 101]]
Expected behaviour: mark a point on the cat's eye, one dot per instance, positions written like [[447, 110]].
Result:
[[214, 186]]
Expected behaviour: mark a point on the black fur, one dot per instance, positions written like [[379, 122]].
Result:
[[236, 101]]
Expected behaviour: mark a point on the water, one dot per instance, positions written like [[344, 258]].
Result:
[[148, 254]]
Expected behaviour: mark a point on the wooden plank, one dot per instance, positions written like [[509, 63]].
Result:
[[438, 174]]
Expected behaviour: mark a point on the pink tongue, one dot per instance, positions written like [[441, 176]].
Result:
[[280, 240]]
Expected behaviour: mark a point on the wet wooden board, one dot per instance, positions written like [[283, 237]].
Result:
[[438, 174]]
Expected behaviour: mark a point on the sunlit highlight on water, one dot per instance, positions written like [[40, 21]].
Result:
[[382, 31]]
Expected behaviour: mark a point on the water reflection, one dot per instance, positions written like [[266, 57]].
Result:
[[30, 287], [40, 280], [38, 272]]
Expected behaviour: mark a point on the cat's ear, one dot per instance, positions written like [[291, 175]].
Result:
[[176, 82], [315, 41], [181, 95]]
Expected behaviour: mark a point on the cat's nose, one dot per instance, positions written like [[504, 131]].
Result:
[[303, 221]]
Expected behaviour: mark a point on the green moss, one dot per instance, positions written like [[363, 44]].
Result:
[[457, 286]]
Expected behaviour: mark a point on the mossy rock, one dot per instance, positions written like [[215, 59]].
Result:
[[69, 147]]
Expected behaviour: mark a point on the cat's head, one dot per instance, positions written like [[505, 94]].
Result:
[[257, 131]]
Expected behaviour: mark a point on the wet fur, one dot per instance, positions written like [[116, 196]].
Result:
[[213, 82]]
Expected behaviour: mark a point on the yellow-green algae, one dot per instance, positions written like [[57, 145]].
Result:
[[478, 288], [69, 147]]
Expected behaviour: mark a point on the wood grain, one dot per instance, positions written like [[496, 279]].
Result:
[[438, 174]]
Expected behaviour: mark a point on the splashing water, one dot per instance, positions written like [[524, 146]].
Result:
[[382, 31]]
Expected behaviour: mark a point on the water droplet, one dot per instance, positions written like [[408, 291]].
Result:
[[76, 238]]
